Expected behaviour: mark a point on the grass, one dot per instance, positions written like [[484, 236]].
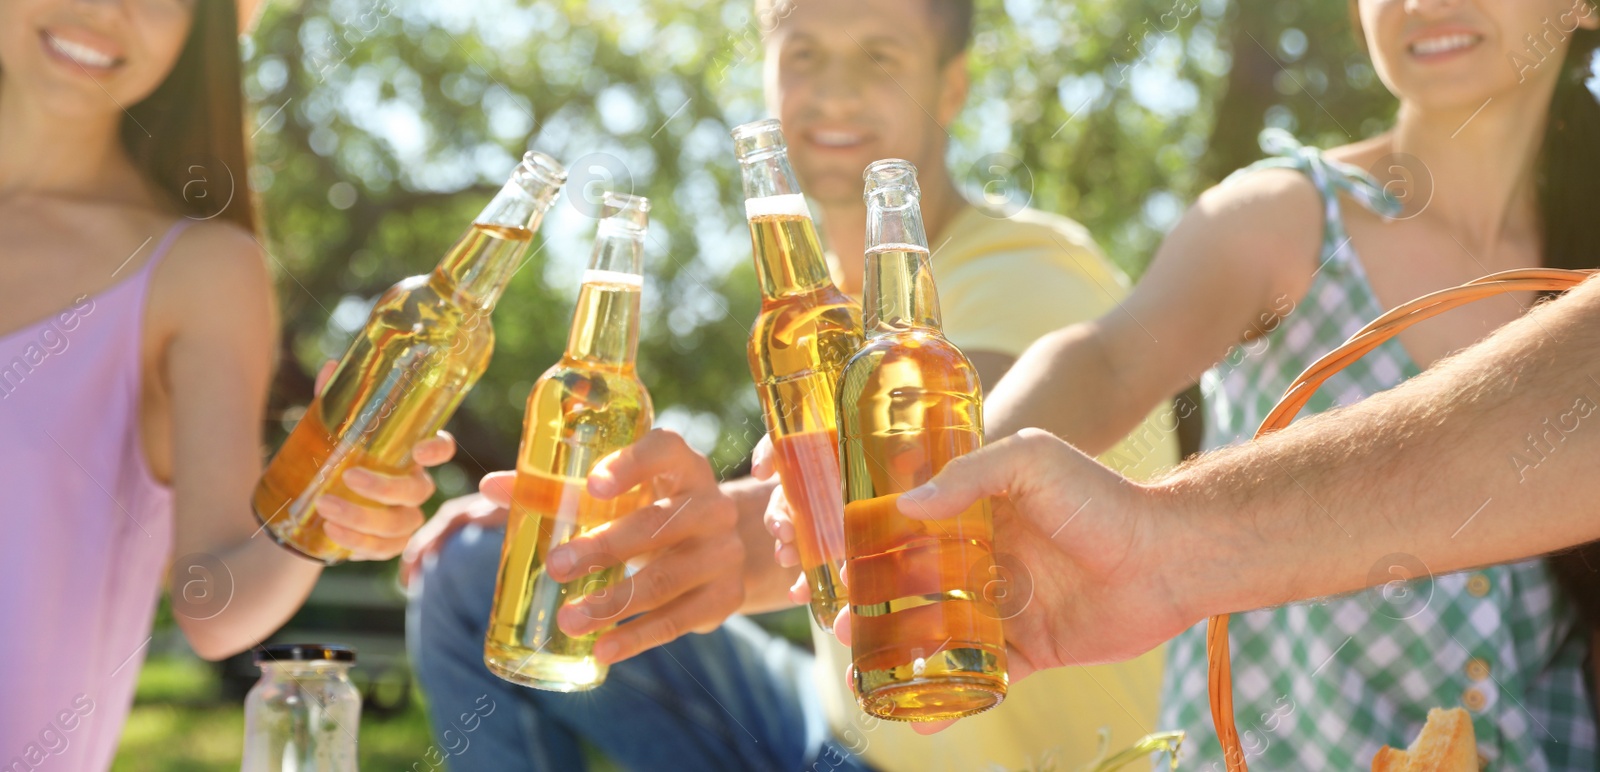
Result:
[[181, 723]]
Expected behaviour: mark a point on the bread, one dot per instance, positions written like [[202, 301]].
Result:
[[1447, 744]]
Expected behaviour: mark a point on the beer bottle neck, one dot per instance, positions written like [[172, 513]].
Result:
[[477, 268], [605, 326], [788, 255], [898, 292]]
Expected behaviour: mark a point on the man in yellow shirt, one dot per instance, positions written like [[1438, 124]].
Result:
[[853, 81]]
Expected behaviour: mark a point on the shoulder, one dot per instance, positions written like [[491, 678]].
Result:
[[1053, 245], [1015, 277], [984, 230], [1254, 237], [212, 271], [1269, 219], [219, 257], [1271, 199], [1271, 212], [1058, 233], [1287, 186]]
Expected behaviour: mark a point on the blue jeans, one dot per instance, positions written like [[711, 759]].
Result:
[[736, 699]]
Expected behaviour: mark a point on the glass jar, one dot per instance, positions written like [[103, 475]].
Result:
[[304, 714]]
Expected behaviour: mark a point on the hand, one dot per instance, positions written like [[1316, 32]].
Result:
[[1090, 541], [779, 520], [380, 532], [486, 509], [685, 547]]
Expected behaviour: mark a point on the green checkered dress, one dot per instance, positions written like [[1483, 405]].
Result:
[[1323, 685]]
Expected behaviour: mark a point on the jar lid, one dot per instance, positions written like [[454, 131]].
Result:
[[304, 652]]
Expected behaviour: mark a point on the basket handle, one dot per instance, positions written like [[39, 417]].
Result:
[[1299, 393]]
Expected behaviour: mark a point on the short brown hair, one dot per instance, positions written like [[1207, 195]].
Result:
[[952, 20]]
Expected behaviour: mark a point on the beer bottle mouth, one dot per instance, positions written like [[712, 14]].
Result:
[[527, 194], [758, 140], [623, 216], [625, 209], [891, 182], [539, 171]]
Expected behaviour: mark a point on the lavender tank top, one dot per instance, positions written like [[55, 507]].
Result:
[[87, 528]]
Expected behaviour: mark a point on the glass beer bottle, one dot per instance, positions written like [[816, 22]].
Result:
[[926, 641], [588, 405], [424, 346], [806, 331]]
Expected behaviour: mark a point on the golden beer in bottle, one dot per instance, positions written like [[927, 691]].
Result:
[[926, 641], [807, 330], [425, 344], [588, 405]]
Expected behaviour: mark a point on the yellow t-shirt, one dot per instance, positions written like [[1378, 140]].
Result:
[[1003, 282]]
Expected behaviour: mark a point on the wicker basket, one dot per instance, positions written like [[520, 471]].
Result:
[[1368, 338]]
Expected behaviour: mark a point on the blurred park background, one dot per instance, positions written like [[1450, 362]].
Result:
[[381, 128]]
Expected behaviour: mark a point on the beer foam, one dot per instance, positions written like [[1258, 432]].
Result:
[[791, 204], [597, 276]]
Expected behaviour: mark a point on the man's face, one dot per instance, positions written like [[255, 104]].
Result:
[[855, 81]]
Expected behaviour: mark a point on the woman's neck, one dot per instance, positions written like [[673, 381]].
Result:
[[43, 153], [1482, 167]]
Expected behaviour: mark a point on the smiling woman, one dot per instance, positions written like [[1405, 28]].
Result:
[[1566, 174], [122, 191], [1509, 147], [1554, 48], [1477, 174], [176, 87]]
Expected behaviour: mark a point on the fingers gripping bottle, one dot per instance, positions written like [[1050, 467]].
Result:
[[926, 641], [806, 331], [426, 343], [587, 406]]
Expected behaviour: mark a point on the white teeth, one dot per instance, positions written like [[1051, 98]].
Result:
[[1440, 45], [79, 53], [835, 138]]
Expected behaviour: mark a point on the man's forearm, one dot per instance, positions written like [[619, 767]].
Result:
[[1489, 457]]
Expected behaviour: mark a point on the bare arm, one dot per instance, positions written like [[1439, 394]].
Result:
[[218, 363], [231, 585], [1241, 253], [1438, 468], [1488, 457]]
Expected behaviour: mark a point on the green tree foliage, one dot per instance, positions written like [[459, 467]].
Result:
[[383, 126]]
